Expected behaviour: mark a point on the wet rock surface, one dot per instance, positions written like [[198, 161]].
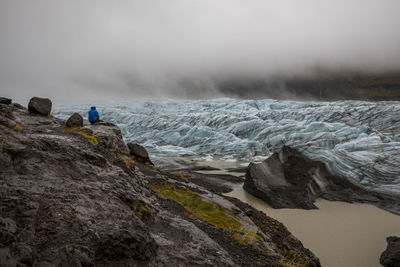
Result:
[[41, 106], [66, 200], [391, 256], [288, 179]]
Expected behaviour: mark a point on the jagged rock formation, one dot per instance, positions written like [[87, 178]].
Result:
[[41, 106], [75, 120], [391, 256], [289, 179], [74, 197]]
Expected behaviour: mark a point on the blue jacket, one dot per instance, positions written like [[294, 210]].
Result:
[[93, 114]]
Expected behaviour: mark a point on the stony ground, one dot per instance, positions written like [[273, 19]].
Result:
[[75, 197]]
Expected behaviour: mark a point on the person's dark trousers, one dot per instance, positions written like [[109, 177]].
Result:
[[96, 121]]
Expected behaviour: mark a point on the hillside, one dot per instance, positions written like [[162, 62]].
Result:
[[79, 197], [321, 86]]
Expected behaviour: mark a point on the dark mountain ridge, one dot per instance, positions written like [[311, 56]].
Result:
[[321, 85]]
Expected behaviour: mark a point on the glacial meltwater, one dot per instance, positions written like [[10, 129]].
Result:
[[340, 234]]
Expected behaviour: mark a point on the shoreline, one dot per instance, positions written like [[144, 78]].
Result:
[[339, 233]]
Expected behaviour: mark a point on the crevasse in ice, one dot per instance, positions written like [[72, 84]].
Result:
[[359, 140]]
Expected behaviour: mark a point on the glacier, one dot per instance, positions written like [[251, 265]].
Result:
[[359, 140]]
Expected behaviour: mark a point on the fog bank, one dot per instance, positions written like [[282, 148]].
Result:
[[179, 48]]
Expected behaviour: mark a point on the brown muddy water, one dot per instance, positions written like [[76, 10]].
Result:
[[340, 234]]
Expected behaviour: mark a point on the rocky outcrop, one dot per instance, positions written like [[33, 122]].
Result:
[[75, 120], [288, 179], [391, 256], [4, 100], [139, 152], [41, 106], [109, 137], [51, 196], [74, 197]]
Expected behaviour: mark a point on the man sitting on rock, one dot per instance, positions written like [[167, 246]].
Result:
[[94, 115]]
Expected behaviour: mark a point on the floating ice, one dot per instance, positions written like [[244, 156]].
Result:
[[359, 140]]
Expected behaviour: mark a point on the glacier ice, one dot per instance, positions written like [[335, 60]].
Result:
[[359, 140]]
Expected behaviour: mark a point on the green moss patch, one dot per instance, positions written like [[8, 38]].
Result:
[[182, 177], [193, 203], [242, 239], [17, 128], [254, 235], [291, 259], [144, 213], [246, 237], [208, 212], [88, 137], [267, 251], [129, 163]]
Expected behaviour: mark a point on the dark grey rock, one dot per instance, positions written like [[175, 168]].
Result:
[[75, 120], [391, 256], [6, 257], [7, 111], [122, 243], [23, 253], [8, 229], [4, 100], [7, 122], [18, 106], [288, 179], [139, 152], [6, 116], [40, 106]]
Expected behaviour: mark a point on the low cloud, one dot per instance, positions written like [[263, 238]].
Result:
[[180, 48]]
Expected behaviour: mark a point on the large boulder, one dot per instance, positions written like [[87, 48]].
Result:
[[5, 101], [41, 106], [75, 120], [139, 152], [288, 179], [391, 256]]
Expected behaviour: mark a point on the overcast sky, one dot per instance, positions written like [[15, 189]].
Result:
[[70, 49]]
